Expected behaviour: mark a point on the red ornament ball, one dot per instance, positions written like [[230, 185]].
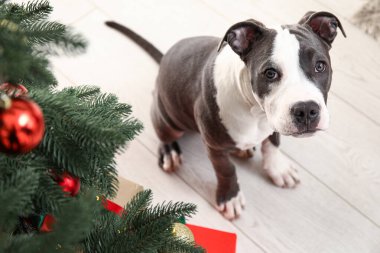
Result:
[[47, 223], [69, 184], [21, 126]]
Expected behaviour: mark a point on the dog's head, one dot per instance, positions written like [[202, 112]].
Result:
[[289, 69]]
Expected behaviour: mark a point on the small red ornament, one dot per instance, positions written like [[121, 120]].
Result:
[[47, 223], [21, 126], [69, 183]]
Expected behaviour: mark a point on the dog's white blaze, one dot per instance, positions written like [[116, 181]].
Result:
[[245, 122], [294, 86]]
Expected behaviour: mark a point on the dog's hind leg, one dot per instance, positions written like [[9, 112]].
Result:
[[170, 157], [169, 152]]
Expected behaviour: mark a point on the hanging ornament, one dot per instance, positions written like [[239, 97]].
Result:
[[21, 125], [47, 223], [69, 183], [183, 232], [14, 90]]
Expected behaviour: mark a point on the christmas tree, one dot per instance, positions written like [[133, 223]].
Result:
[[57, 152]]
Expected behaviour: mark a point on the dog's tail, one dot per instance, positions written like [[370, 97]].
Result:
[[146, 45]]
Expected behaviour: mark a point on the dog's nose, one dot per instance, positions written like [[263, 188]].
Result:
[[305, 113]]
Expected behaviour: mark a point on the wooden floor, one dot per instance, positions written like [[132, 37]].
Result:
[[336, 208]]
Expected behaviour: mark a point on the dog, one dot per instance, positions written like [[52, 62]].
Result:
[[245, 89]]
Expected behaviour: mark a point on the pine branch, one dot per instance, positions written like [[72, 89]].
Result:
[[26, 38], [149, 239], [140, 202], [115, 234], [42, 76], [102, 117], [104, 179], [69, 43], [16, 190], [51, 198], [161, 211], [84, 93], [82, 134], [35, 11], [30, 12], [44, 32], [49, 38]]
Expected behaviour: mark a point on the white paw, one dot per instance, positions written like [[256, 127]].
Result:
[[170, 158], [281, 171], [176, 159], [233, 208], [167, 165], [171, 161]]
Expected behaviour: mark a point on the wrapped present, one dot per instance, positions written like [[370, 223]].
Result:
[[214, 241], [127, 190]]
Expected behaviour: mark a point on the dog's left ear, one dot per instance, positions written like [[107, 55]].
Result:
[[241, 36], [324, 24]]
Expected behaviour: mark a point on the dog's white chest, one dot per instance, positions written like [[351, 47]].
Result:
[[246, 128], [246, 123]]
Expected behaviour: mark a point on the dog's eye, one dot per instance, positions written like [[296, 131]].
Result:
[[271, 74], [320, 67], [334, 24]]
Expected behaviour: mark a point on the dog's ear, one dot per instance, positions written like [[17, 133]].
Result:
[[242, 35], [324, 24]]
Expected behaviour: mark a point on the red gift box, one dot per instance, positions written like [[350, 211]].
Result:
[[214, 241]]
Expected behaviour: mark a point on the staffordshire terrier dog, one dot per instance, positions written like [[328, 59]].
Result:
[[241, 91]]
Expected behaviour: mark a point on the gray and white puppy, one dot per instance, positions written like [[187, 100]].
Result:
[[241, 91]]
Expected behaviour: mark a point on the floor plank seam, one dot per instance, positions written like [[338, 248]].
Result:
[[333, 191], [84, 15], [101, 10], [355, 109], [215, 11]]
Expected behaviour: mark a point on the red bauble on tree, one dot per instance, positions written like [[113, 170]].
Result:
[[47, 223], [21, 125], [69, 183]]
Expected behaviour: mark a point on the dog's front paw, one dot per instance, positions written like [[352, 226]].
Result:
[[281, 171], [232, 208]]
